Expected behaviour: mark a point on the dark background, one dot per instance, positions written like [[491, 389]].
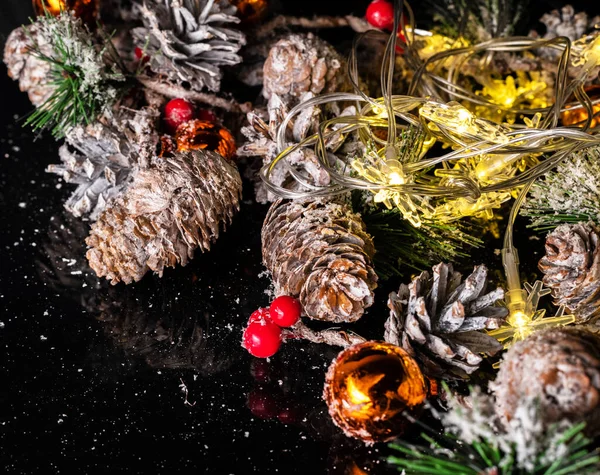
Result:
[[90, 375]]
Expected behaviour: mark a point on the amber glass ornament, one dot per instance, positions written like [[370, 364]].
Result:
[[201, 134], [251, 11], [87, 10], [578, 115], [368, 388]]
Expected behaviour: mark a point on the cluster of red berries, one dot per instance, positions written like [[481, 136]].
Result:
[[180, 111], [262, 337], [380, 14]]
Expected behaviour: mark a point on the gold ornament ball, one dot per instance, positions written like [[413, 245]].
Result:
[[87, 10], [369, 387], [205, 135], [251, 11]]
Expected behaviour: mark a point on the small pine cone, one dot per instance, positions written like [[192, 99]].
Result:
[[571, 269], [437, 320], [560, 368], [26, 67], [168, 210], [261, 141], [189, 40], [319, 252], [101, 157], [302, 63]]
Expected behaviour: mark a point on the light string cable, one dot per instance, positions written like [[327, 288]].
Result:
[[489, 161]]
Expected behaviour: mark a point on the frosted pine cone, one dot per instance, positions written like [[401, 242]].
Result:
[[301, 63], [33, 73], [437, 319], [189, 40], [567, 23], [100, 158], [319, 251], [262, 142], [560, 368], [170, 209], [571, 269]]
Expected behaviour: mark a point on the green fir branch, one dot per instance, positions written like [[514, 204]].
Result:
[[399, 244], [568, 194], [83, 75], [476, 443]]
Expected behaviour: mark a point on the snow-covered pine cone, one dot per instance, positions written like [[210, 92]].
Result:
[[189, 40], [178, 204], [320, 252], [571, 269], [262, 142], [101, 157], [565, 22], [302, 63], [560, 368], [438, 320], [33, 73]]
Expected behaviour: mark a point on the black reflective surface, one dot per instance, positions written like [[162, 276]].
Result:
[[147, 378]]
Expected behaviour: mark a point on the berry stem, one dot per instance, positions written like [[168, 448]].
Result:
[[331, 336]]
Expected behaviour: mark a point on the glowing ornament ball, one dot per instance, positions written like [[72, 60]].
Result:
[[200, 134], [87, 10], [369, 388]]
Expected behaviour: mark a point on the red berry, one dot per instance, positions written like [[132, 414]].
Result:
[[262, 339], [177, 112], [139, 54], [285, 311], [207, 115], [260, 315], [262, 404], [380, 14]]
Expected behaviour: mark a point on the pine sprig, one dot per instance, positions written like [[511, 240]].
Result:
[[475, 443], [450, 456], [399, 243], [568, 194], [83, 75]]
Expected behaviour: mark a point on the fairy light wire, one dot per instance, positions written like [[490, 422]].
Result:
[[476, 142]]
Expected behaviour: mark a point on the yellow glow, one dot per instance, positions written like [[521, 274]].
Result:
[[396, 179], [355, 395], [519, 319], [54, 7]]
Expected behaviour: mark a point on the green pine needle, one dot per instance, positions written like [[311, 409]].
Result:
[[568, 194], [449, 457], [399, 243], [82, 74]]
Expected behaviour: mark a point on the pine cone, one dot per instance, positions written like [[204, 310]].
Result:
[[100, 158], [560, 368], [319, 251], [262, 142], [437, 319], [571, 269], [168, 210], [299, 64], [188, 40], [26, 67], [567, 23]]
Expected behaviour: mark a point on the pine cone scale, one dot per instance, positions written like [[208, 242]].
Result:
[[313, 253], [446, 342]]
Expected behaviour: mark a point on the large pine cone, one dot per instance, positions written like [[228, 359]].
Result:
[[168, 211], [319, 251], [101, 157], [188, 40], [560, 368], [32, 72], [437, 319], [302, 63], [571, 269]]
